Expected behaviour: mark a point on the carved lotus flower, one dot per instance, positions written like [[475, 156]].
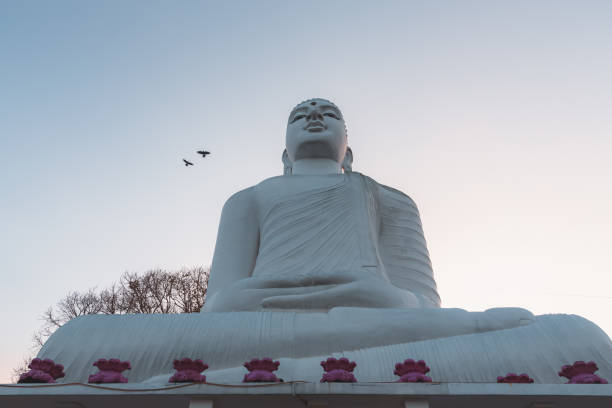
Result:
[[338, 370], [42, 371], [338, 376], [338, 364], [582, 373], [515, 378], [113, 364], [188, 370], [110, 371], [189, 364], [265, 364], [261, 370], [412, 371], [411, 366]]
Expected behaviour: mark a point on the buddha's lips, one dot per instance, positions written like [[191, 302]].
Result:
[[315, 127]]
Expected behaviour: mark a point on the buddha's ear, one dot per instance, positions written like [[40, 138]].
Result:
[[347, 163], [287, 163]]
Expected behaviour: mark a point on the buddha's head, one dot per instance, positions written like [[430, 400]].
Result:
[[316, 130]]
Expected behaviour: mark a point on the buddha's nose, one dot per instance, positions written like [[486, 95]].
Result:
[[314, 115]]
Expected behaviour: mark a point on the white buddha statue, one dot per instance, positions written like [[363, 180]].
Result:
[[325, 261], [317, 237]]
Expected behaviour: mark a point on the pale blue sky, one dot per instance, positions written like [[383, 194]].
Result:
[[495, 116]]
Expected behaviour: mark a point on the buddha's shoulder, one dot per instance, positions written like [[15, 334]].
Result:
[[250, 193], [389, 194], [240, 201], [271, 182]]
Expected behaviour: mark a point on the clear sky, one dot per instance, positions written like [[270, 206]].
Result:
[[495, 116]]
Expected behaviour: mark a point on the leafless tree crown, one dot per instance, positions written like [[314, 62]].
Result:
[[155, 291]]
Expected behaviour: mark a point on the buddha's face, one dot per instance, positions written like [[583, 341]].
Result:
[[316, 130]]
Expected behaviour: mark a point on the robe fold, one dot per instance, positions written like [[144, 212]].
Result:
[[354, 228]]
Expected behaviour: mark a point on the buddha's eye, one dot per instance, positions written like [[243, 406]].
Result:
[[297, 117], [331, 115]]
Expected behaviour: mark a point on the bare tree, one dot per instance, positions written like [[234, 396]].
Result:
[[77, 304], [110, 299], [154, 291], [189, 287], [158, 291]]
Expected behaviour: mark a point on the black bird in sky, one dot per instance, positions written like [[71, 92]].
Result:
[[187, 163], [203, 153]]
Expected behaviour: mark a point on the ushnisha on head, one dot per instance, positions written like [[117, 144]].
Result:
[[316, 132]]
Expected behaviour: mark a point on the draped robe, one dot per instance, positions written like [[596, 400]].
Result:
[[345, 240]]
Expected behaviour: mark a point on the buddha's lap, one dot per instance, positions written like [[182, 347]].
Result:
[[252, 334]]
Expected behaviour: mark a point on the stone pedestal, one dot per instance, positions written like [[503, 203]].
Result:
[[300, 395]]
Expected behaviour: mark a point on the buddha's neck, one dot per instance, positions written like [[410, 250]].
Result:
[[313, 167]]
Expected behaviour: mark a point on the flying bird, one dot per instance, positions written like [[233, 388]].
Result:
[[187, 163], [203, 153]]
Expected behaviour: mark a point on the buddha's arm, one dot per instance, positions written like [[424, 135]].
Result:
[[237, 243], [402, 246]]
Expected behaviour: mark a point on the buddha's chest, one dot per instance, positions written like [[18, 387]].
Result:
[[277, 190], [303, 219]]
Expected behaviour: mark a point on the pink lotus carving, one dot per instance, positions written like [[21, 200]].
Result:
[[338, 370], [582, 373], [412, 371], [261, 370], [338, 364], [515, 379], [110, 371], [188, 370], [42, 371]]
